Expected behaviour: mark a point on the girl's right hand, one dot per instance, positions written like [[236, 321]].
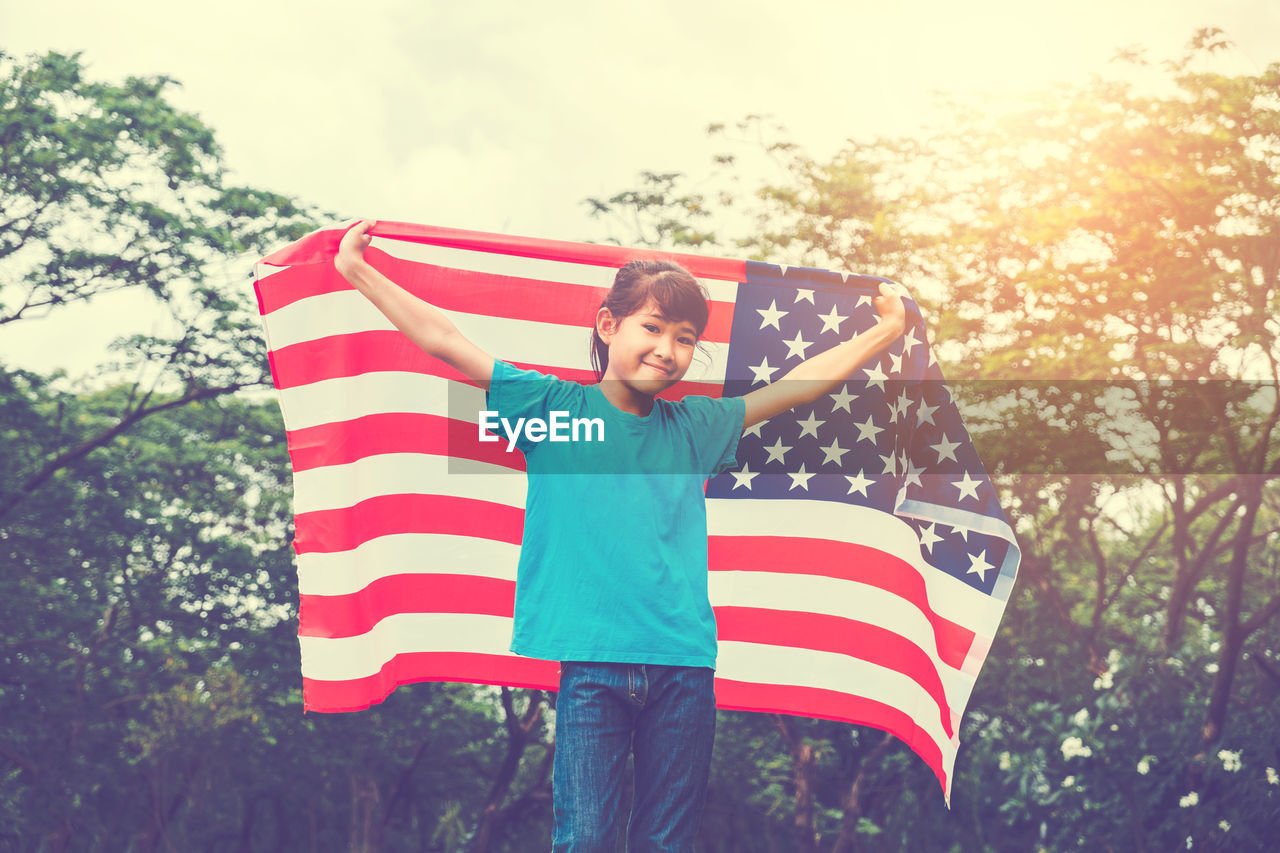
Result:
[[354, 242]]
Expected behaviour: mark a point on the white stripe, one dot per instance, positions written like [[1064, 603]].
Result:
[[350, 397], [949, 598], [339, 659], [763, 664], [338, 486], [559, 345], [846, 599], [347, 572], [541, 269]]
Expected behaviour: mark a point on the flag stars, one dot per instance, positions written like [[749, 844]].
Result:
[[867, 430], [929, 537], [797, 346], [946, 449], [803, 295], [755, 428], [924, 414], [979, 566], [913, 474], [842, 398], [800, 479], [895, 363], [968, 487], [890, 464], [909, 341], [777, 453], [763, 372], [810, 425], [831, 322], [875, 376], [771, 315], [832, 452], [859, 483], [744, 477]]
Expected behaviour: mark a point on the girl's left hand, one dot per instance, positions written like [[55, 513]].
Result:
[[888, 304]]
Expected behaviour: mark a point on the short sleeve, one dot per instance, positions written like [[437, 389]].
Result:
[[515, 393], [716, 426]]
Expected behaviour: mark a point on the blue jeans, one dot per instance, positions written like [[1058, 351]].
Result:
[[666, 717]]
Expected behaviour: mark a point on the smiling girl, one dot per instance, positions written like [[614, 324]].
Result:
[[612, 578]]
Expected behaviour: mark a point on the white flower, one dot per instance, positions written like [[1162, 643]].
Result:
[[1230, 760], [1074, 747], [1081, 717], [1103, 682], [1069, 782], [1224, 826], [1005, 761], [1144, 766], [1189, 800], [1272, 777]]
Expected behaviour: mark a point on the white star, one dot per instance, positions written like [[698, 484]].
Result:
[[894, 414], [832, 453], [946, 449], [864, 299], [831, 322], [929, 537], [744, 477], [800, 478], [867, 430], [924, 414], [968, 487], [777, 453], [913, 474], [962, 532], [909, 341], [771, 315], [810, 426], [895, 363], [842, 398], [803, 295], [764, 373], [796, 348], [890, 464], [875, 376], [979, 566], [755, 428], [859, 483], [933, 359]]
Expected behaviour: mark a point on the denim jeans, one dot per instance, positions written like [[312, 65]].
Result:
[[666, 717]]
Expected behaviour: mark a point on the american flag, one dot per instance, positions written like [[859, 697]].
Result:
[[859, 560]]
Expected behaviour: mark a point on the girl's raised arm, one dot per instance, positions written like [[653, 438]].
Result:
[[814, 377], [426, 325]]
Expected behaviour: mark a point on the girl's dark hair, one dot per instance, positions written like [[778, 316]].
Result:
[[679, 296]]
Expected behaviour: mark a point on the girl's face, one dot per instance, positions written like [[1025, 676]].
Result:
[[647, 351]]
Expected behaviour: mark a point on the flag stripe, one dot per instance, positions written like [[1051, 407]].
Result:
[[388, 350], [845, 561], [299, 292], [356, 694], [347, 572], [832, 705], [396, 432], [343, 529]]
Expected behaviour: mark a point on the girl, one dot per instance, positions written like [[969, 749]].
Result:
[[612, 579]]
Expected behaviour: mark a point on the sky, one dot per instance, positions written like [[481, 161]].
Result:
[[505, 116]]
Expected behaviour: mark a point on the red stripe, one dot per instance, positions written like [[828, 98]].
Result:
[[350, 615], [469, 292], [831, 705], [331, 530], [383, 350], [322, 246], [845, 561], [396, 432], [357, 694], [826, 633]]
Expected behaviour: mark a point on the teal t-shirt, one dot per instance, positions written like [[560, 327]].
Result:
[[613, 565]]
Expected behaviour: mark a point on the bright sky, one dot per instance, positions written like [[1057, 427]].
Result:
[[504, 116]]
